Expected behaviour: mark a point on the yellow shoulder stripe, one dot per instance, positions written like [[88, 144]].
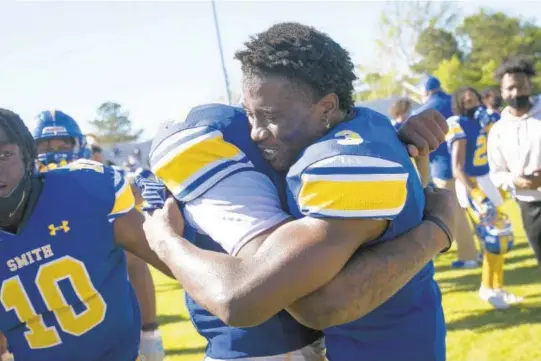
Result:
[[191, 160], [124, 200], [355, 198]]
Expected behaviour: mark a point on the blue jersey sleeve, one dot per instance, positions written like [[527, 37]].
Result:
[[353, 186], [355, 171], [105, 186]]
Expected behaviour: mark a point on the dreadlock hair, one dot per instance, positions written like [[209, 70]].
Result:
[[458, 99], [514, 65], [304, 56], [18, 133]]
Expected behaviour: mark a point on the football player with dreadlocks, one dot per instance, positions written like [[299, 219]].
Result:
[[64, 292], [467, 139], [59, 141]]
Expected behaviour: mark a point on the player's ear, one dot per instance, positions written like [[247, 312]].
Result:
[[328, 108]]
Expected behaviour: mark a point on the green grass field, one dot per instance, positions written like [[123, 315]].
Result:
[[475, 331]]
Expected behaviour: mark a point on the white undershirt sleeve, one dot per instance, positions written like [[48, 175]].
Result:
[[236, 210]]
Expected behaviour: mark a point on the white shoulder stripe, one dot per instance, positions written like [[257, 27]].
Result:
[[377, 213], [177, 138], [355, 177], [210, 182], [354, 161]]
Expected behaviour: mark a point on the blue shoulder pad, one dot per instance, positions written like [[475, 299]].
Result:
[[192, 156], [359, 169], [103, 185]]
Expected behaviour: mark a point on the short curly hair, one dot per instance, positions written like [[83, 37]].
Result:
[[514, 65], [457, 99], [303, 55]]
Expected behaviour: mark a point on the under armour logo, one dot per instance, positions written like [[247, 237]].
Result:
[[63, 227]]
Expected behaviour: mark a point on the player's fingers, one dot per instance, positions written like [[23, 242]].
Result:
[[148, 214], [170, 203], [440, 121], [412, 150], [429, 137], [437, 131], [419, 142]]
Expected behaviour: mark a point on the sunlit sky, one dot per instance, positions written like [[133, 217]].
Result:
[[158, 59]]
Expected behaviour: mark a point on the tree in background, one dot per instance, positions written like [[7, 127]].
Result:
[[113, 125], [490, 37], [401, 24], [435, 45], [432, 38]]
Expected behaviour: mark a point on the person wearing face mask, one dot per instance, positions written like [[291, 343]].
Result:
[[492, 100], [467, 140], [514, 145], [66, 223]]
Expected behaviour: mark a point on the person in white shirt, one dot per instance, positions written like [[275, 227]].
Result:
[[514, 145]]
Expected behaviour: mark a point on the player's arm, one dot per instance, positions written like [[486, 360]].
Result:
[[458, 154], [294, 260], [376, 273], [128, 224], [129, 235], [139, 272], [457, 140], [246, 290]]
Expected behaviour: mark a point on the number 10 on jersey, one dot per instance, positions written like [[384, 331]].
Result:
[[14, 297]]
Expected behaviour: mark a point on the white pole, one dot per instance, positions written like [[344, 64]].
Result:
[[219, 38]]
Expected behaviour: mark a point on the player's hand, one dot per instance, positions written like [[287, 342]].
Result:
[[532, 181], [153, 192], [441, 203], [163, 225], [423, 132], [524, 182]]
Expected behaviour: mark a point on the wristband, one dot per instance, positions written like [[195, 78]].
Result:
[[444, 228], [151, 326]]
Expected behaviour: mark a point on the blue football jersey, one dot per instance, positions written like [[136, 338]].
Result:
[[190, 158], [475, 135], [65, 293], [360, 169]]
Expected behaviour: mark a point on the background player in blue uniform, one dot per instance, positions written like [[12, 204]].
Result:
[[433, 97], [288, 112], [59, 141], [64, 291], [492, 99], [467, 139]]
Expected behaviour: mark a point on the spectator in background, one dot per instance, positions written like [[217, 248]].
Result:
[[442, 174], [400, 111], [514, 145], [97, 153], [492, 100], [476, 193]]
